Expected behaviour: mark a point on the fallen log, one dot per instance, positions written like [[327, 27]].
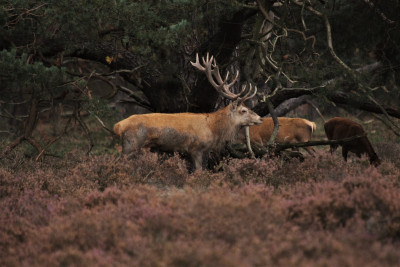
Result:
[[239, 150]]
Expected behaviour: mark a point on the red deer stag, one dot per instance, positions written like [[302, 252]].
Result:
[[291, 130], [189, 132], [339, 128]]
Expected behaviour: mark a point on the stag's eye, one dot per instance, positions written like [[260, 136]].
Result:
[[244, 111]]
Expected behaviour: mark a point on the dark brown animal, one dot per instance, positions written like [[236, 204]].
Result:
[[340, 128], [291, 130], [189, 132]]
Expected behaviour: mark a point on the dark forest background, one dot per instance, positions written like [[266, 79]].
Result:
[[110, 59]]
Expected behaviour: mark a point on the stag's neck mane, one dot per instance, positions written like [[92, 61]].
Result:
[[223, 127]]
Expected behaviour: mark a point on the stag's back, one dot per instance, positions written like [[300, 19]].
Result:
[[182, 122], [175, 131]]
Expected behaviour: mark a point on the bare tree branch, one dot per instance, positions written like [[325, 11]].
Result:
[[138, 100], [379, 12], [328, 33]]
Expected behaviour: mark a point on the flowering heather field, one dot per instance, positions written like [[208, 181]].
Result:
[[109, 211]]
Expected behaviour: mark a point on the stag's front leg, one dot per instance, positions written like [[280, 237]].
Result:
[[197, 158]]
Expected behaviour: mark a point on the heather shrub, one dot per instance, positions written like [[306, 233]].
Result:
[[101, 172], [222, 226], [172, 171], [13, 161], [150, 211], [369, 197], [389, 151], [203, 179], [277, 172], [244, 171]]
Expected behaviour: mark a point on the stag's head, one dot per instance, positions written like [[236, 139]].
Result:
[[241, 115]]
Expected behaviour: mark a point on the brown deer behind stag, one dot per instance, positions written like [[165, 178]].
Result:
[[340, 128], [291, 130]]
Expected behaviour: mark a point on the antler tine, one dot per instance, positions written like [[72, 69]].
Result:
[[197, 64], [248, 95], [244, 90], [254, 93], [212, 71], [233, 80], [206, 68], [207, 61]]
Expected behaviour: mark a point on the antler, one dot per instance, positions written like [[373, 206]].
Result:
[[210, 68], [249, 94]]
